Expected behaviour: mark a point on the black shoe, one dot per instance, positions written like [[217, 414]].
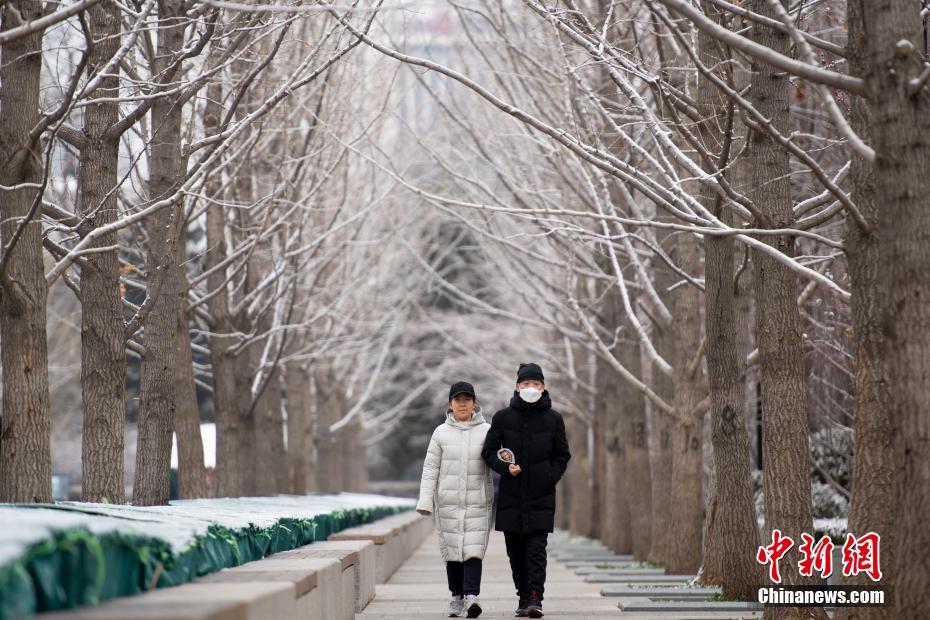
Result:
[[521, 607], [472, 608], [534, 605]]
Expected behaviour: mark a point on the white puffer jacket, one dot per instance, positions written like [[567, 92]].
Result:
[[456, 488]]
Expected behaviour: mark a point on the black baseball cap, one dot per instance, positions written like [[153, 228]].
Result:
[[462, 387]]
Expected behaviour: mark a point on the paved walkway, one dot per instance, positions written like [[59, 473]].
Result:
[[418, 590]]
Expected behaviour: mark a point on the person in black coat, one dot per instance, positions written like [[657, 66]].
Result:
[[535, 434]]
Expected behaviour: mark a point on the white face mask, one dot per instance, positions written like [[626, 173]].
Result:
[[530, 395]]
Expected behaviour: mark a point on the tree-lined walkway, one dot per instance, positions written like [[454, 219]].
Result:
[[418, 588], [299, 223]]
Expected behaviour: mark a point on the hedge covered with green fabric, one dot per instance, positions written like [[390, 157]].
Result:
[[67, 555]]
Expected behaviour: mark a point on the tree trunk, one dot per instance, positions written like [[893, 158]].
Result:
[[684, 548], [192, 475], [227, 414], [685, 540], [613, 394], [270, 455], [267, 424], [661, 486], [872, 507], [611, 501], [325, 470], [617, 535], [25, 451], [564, 491], [598, 471], [226, 399], [313, 424], [360, 459], [157, 397], [103, 334], [248, 458], [278, 449], [354, 456], [298, 428], [661, 435], [637, 478], [731, 534], [901, 122], [604, 410], [580, 478], [786, 452]]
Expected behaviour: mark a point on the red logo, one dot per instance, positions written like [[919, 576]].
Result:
[[773, 553], [819, 556], [861, 556]]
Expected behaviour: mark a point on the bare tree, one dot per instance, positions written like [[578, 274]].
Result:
[[25, 453], [900, 113], [873, 505], [635, 466], [103, 347], [784, 401], [731, 535], [164, 229], [226, 402], [334, 210]]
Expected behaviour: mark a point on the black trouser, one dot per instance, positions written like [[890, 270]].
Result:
[[464, 577], [527, 553]]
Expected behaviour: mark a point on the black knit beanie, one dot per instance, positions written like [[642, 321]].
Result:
[[530, 372]]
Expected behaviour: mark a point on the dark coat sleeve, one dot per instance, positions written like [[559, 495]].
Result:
[[492, 443], [560, 452]]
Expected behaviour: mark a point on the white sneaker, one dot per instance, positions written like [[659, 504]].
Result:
[[472, 608], [456, 605]]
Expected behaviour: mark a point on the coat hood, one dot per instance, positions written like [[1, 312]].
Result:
[[519, 404], [476, 418]]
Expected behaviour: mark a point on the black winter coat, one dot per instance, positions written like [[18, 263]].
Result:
[[536, 434]]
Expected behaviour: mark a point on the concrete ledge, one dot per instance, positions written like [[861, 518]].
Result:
[[395, 539], [675, 594], [666, 580], [316, 583], [331, 580], [357, 562], [595, 558], [646, 605], [684, 606], [606, 565], [196, 601], [622, 571]]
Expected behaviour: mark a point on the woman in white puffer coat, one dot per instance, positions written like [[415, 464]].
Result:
[[456, 489]]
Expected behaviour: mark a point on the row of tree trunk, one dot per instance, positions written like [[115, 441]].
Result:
[[889, 284], [252, 390]]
